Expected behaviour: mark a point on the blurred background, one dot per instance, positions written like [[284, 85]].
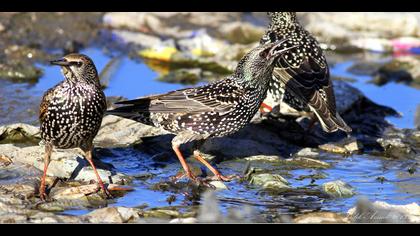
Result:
[[372, 55]]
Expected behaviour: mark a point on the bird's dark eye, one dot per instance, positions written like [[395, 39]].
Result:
[[264, 54], [77, 63], [273, 36]]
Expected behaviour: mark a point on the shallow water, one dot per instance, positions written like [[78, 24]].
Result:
[[133, 79]]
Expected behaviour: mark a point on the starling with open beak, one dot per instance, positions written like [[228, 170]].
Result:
[[214, 110]]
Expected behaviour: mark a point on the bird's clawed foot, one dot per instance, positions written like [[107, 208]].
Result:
[[204, 181], [105, 191], [197, 180], [43, 196], [223, 178]]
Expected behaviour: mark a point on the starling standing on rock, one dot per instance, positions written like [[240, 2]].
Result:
[[301, 78], [213, 110], [71, 112]]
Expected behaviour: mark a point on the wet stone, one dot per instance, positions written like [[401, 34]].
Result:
[[338, 189], [271, 182], [382, 212], [320, 218], [113, 215], [307, 152], [305, 162], [20, 72], [396, 148], [401, 69], [243, 33]]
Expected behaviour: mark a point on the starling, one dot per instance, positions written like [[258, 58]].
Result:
[[71, 112], [301, 78], [214, 110]]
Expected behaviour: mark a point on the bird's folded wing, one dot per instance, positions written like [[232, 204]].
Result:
[[309, 81], [216, 97]]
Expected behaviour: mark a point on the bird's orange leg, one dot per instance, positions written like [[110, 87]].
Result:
[[47, 156], [265, 106], [184, 164], [88, 155], [216, 173]]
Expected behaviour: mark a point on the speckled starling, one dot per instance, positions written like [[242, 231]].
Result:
[[301, 78], [71, 112], [214, 110]]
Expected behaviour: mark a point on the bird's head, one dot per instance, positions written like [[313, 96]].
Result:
[[257, 65], [78, 68], [282, 19]]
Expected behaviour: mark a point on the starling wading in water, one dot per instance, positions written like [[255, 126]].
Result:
[[214, 110], [301, 78], [71, 112]]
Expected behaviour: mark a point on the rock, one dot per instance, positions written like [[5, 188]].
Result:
[[263, 158], [2, 28], [396, 147], [347, 147], [182, 76], [120, 132], [320, 218], [189, 220], [364, 68], [338, 189], [382, 212], [19, 133], [340, 27], [13, 219], [400, 69], [202, 45], [64, 163], [79, 193], [271, 182], [307, 152], [20, 72], [113, 215], [240, 32], [346, 96], [143, 21], [5, 161], [158, 23], [161, 214], [305, 162], [137, 38], [219, 185], [21, 190]]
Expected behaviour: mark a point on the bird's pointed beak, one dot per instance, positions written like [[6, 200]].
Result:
[[60, 62], [278, 48]]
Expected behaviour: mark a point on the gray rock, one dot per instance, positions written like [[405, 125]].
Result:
[[19, 133], [338, 189], [382, 212], [240, 32], [340, 27], [120, 132], [113, 215], [63, 163], [272, 182], [307, 152], [305, 162], [321, 218]]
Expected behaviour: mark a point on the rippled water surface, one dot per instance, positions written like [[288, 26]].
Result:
[[133, 79]]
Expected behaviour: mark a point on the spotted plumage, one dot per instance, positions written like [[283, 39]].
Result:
[[301, 79], [213, 110], [71, 112]]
